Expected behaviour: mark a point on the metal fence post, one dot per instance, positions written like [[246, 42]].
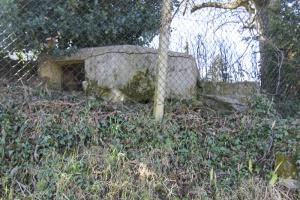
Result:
[[164, 40]]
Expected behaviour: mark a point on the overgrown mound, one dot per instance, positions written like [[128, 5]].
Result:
[[78, 148]]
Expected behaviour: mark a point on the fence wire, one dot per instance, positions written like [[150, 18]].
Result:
[[105, 47]]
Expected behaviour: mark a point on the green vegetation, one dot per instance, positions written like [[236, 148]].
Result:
[[69, 147], [78, 24], [141, 88], [284, 34]]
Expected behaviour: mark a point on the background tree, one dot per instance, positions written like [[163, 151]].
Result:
[[260, 12], [77, 23], [285, 36], [219, 69], [284, 33], [278, 32]]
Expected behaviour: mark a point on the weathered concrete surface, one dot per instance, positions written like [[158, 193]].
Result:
[[224, 104], [227, 97], [52, 73], [230, 89], [129, 70], [135, 72]]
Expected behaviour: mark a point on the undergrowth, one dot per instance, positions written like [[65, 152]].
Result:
[[74, 148]]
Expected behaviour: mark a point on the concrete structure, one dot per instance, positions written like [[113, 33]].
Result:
[[123, 72], [235, 89], [227, 97]]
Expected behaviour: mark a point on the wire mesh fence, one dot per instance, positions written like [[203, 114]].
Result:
[[117, 49]]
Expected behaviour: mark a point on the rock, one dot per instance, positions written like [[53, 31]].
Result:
[[286, 165], [226, 98], [224, 104], [288, 183]]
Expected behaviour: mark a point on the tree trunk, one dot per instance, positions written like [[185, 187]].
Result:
[[268, 79], [164, 40]]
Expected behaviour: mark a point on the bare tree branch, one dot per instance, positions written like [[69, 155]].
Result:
[[231, 5]]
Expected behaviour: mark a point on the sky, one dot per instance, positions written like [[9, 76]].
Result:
[[217, 29]]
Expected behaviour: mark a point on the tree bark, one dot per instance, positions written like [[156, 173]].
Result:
[[268, 80]]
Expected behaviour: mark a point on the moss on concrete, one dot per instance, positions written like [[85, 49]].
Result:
[[141, 87], [99, 91], [286, 164]]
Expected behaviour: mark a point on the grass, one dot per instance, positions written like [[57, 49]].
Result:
[[71, 147]]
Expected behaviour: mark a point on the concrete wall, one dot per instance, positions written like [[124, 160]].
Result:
[[230, 89], [51, 72]]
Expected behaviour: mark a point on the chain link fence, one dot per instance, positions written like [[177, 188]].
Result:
[[118, 49]]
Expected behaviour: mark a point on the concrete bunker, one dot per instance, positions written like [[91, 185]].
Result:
[[120, 72]]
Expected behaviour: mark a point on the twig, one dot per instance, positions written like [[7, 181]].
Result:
[[271, 141], [56, 102]]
